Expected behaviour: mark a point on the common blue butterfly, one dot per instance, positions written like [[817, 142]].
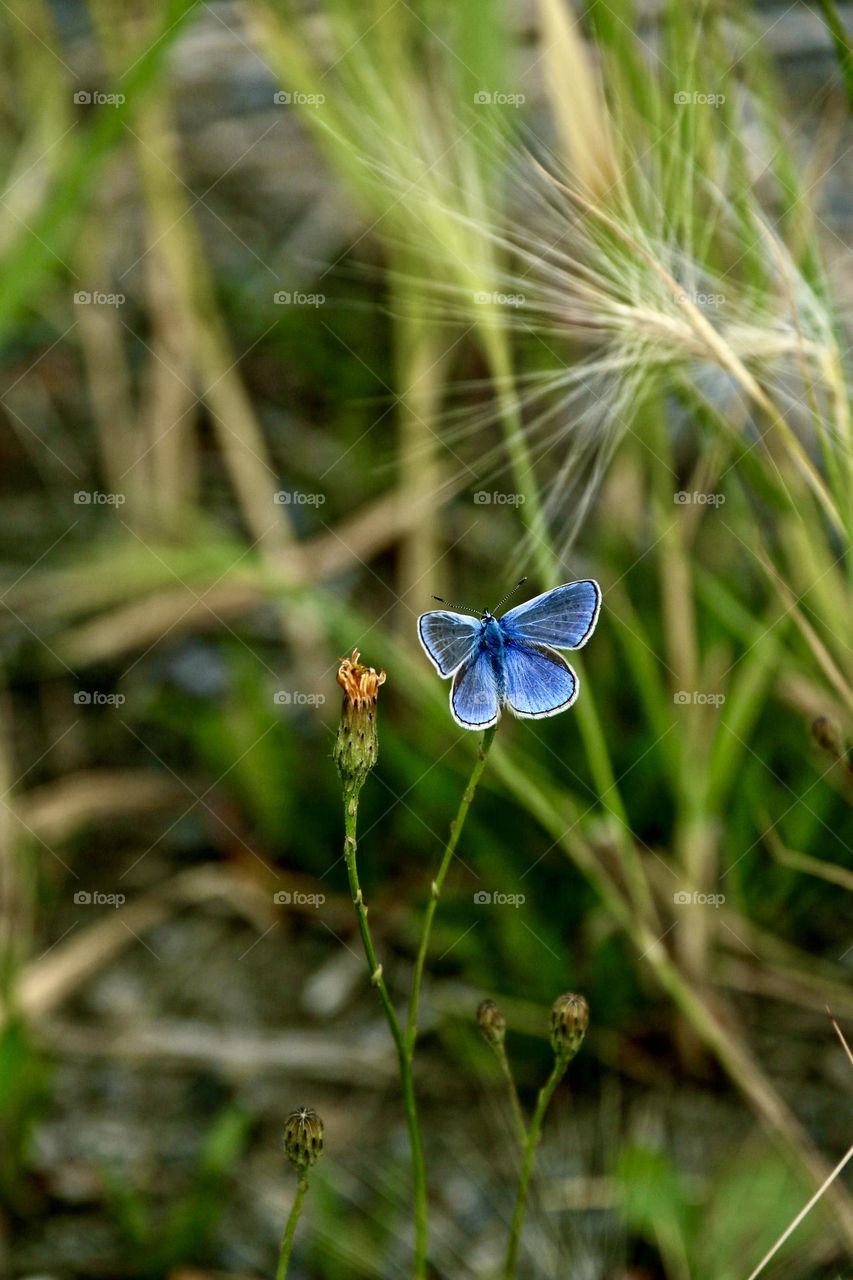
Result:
[[512, 661]]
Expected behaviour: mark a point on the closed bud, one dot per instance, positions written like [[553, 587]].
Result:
[[303, 1138], [357, 744], [569, 1021], [491, 1022], [827, 735]]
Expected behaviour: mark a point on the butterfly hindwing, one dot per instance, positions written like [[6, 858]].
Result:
[[448, 638], [474, 701], [564, 617], [538, 680]]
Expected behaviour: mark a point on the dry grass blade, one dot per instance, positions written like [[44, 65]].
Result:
[[807, 1208], [577, 100]]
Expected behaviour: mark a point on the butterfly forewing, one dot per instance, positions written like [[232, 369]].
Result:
[[474, 693], [448, 638], [564, 617], [538, 680]]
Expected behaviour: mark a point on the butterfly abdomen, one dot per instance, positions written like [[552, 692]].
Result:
[[492, 640]]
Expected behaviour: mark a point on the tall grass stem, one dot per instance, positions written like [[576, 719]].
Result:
[[447, 857]]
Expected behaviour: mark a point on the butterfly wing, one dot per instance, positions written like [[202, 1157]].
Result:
[[538, 680], [564, 617], [448, 638], [474, 702]]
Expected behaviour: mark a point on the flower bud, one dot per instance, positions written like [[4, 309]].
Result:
[[357, 744], [827, 735], [303, 1138], [569, 1021], [491, 1022]]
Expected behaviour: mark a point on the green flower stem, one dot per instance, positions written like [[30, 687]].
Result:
[[404, 1057], [517, 1115], [290, 1228], [530, 1145], [447, 857]]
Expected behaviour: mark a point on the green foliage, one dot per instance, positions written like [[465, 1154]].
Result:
[[705, 1227], [157, 1240], [24, 1094]]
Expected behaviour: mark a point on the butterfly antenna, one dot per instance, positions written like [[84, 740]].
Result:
[[467, 607], [510, 593]]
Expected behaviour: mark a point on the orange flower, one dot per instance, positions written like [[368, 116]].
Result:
[[359, 683], [357, 743]]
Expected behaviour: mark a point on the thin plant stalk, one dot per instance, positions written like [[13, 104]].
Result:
[[840, 43], [530, 1144], [517, 1115], [438, 883], [404, 1056], [290, 1228]]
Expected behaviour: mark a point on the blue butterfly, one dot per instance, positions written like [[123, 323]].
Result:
[[510, 661]]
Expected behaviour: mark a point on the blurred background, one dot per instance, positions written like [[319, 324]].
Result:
[[312, 310]]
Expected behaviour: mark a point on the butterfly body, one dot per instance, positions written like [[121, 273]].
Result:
[[491, 642], [512, 661]]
